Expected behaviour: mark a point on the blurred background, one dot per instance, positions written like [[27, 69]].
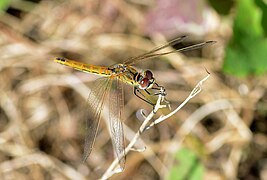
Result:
[[219, 134]]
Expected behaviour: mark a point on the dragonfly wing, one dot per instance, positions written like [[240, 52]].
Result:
[[156, 52], [147, 55], [95, 103], [116, 105]]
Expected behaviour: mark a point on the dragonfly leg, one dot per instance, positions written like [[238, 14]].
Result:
[[148, 92], [161, 90], [163, 93], [136, 90]]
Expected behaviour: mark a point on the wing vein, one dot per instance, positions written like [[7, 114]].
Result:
[[95, 104]]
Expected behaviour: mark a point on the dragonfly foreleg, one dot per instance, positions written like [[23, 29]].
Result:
[[160, 90], [142, 97], [148, 92]]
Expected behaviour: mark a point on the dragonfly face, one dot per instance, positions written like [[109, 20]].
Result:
[[146, 81]]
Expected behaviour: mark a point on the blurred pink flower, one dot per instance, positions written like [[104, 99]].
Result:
[[174, 17]]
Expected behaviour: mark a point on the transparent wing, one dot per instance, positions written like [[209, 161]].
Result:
[[145, 55], [95, 103], [155, 52], [116, 105]]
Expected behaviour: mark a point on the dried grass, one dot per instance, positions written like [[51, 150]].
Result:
[[42, 103]]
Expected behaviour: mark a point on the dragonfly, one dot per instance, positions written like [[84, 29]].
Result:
[[109, 90]]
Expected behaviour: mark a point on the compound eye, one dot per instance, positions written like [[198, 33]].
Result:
[[144, 83], [148, 74]]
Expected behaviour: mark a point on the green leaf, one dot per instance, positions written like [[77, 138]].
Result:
[[187, 166], [248, 20], [263, 6], [246, 54], [4, 4]]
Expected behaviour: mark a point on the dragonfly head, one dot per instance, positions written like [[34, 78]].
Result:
[[146, 80]]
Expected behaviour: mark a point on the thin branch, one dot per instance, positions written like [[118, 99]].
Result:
[[193, 93]]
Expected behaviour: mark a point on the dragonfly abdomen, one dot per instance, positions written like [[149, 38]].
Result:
[[88, 68], [100, 70]]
